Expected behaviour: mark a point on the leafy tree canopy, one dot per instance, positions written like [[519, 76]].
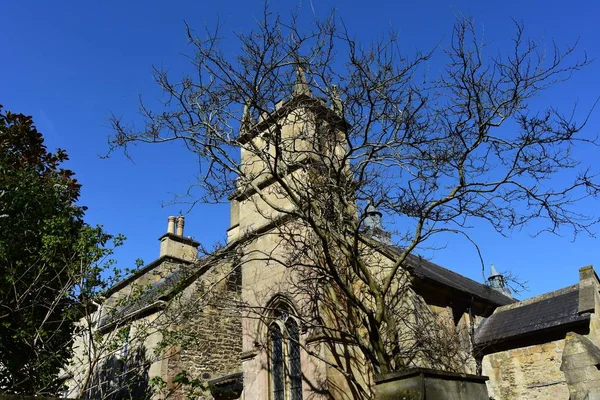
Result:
[[50, 259]]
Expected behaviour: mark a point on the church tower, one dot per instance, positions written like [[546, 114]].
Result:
[[281, 156], [279, 149]]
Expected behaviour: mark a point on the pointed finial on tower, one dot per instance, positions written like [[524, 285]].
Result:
[[371, 210], [494, 272], [247, 121], [336, 101], [301, 85]]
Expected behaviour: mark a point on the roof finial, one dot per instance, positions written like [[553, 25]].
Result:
[[247, 120], [336, 103], [301, 85], [497, 282], [374, 226], [494, 272]]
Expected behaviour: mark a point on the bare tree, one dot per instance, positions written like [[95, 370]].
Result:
[[109, 359], [372, 126]]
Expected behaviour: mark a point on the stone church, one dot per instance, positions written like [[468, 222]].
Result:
[[184, 323]]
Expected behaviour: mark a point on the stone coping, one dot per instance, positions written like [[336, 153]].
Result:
[[181, 239], [226, 379], [429, 373]]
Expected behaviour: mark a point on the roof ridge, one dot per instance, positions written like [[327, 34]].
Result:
[[449, 270]]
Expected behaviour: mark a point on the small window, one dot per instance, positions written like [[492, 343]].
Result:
[[286, 371]]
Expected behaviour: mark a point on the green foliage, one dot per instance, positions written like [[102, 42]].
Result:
[[51, 261], [191, 386]]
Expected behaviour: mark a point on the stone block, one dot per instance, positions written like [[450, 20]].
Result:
[[579, 364], [427, 384]]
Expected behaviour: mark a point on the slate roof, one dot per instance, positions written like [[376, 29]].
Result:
[[147, 268], [154, 296], [149, 296], [427, 270], [552, 310], [422, 268]]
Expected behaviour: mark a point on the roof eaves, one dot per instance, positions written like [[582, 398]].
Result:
[[136, 314], [567, 326], [392, 251], [548, 312], [160, 301]]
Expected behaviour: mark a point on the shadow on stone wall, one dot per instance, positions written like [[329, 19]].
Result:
[[23, 397], [122, 378]]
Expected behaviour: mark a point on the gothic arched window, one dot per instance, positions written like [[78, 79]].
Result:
[[286, 371]]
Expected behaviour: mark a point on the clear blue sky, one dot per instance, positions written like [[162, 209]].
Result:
[[71, 63]]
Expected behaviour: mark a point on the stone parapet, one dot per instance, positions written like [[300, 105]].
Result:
[[430, 384]]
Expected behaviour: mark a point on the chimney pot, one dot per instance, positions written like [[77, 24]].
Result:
[[171, 225], [180, 224]]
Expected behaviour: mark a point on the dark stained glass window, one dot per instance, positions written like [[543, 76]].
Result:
[[295, 372], [277, 363], [284, 356]]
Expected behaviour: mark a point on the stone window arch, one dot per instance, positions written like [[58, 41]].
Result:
[[284, 355]]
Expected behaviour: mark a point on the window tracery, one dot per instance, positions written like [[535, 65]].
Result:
[[284, 357]]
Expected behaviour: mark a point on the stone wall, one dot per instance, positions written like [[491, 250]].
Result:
[[531, 373], [209, 343], [219, 346], [581, 359]]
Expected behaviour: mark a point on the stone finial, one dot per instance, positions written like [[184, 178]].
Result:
[[336, 102], [373, 218], [171, 225], [246, 121], [180, 224], [301, 85]]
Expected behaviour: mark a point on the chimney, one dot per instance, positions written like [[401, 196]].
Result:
[[174, 244], [588, 290], [171, 225], [180, 223]]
